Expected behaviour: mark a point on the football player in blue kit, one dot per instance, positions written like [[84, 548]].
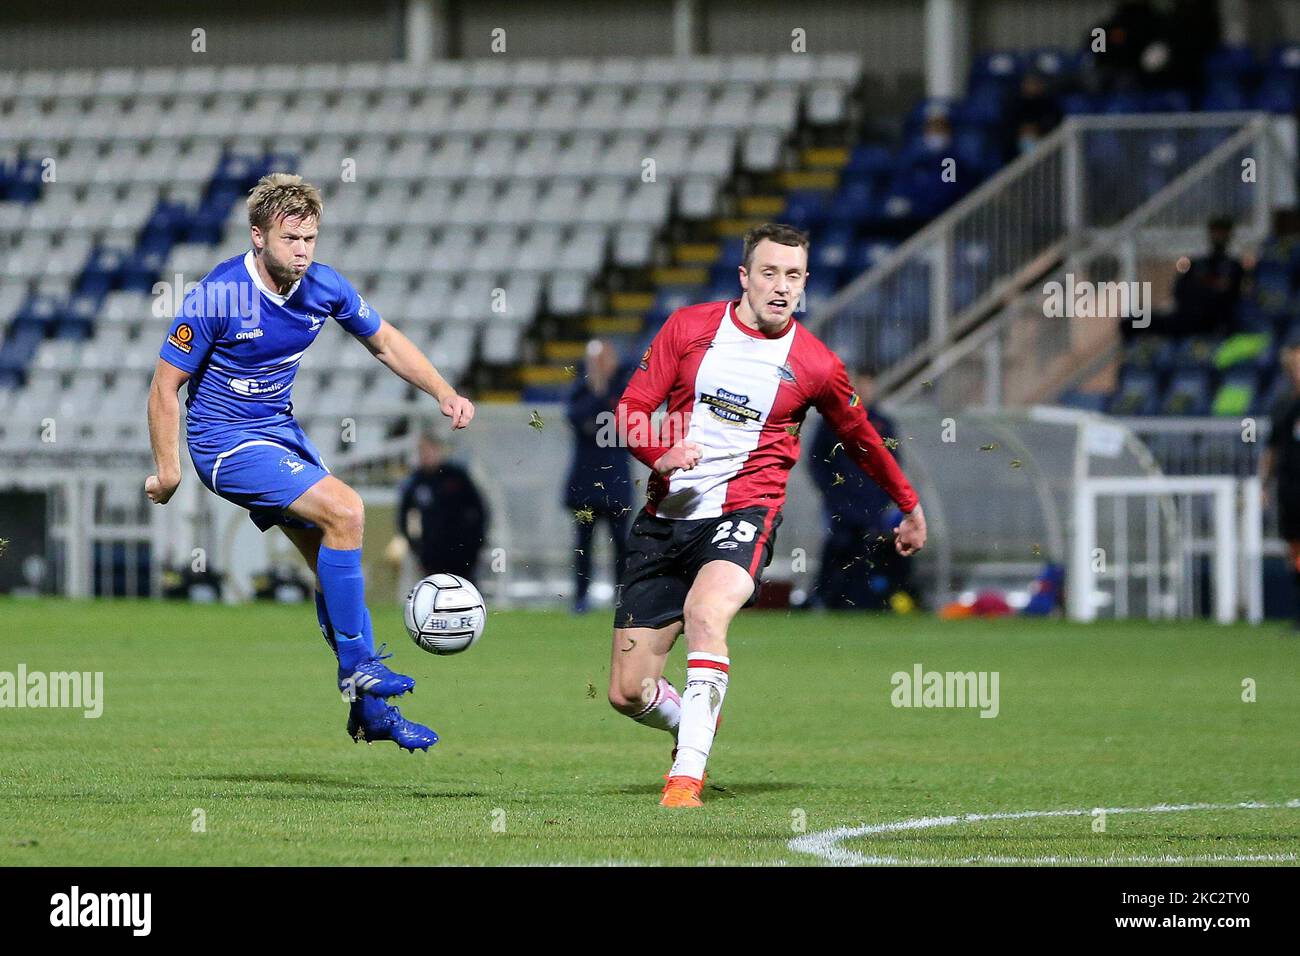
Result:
[[237, 341]]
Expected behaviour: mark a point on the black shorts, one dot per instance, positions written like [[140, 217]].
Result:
[[663, 557], [1288, 512]]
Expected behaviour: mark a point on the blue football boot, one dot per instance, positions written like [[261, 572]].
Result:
[[371, 719], [372, 678]]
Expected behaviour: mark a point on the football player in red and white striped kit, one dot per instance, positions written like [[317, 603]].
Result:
[[739, 377]]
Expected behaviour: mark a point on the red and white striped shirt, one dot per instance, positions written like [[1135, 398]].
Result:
[[742, 395]]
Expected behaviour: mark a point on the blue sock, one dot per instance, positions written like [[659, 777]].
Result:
[[344, 587], [368, 630], [326, 628]]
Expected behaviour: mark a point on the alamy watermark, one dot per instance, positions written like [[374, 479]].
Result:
[[637, 428], [922, 688], [1081, 299], [213, 299], [130, 910], [78, 690]]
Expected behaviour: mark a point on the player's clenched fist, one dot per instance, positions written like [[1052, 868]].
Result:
[[684, 455], [459, 409], [909, 536], [159, 491]]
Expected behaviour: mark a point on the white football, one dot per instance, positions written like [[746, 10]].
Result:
[[445, 614]]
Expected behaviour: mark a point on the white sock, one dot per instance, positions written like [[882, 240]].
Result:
[[706, 687], [663, 711]]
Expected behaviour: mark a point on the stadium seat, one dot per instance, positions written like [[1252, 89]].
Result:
[[1236, 395], [1137, 393], [487, 167], [1188, 393]]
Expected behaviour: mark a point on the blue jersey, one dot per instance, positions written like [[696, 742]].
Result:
[[241, 342]]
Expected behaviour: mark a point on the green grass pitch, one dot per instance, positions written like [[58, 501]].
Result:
[[232, 712]]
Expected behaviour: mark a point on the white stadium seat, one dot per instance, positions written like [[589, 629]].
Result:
[[486, 191]]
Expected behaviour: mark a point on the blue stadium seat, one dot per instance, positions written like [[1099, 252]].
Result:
[[717, 291], [1271, 288], [1236, 63], [237, 171], [831, 248], [1054, 63], [1137, 393], [1166, 101], [1121, 102], [1147, 353], [25, 181], [926, 109], [977, 151], [724, 270], [986, 103], [1277, 93], [103, 270], [1271, 388], [671, 298], [77, 321], [1080, 104], [1195, 353], [16, 353], [853, 201], [1252, 318], [871, 159], [39, 312], [141, 271], [733, 247], [805, 208], [1285, 57], [1003, 66], [867, 253], [1188, 393], [1224, 94]]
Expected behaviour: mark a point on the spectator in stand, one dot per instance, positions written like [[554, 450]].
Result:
[[1035, 113], [1206, 295], [1206, 292], [858, 570], [1150, 47], [1281, 460], [599, 487], [441, 514]]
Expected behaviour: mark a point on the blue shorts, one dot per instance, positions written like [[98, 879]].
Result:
[[264, 470]]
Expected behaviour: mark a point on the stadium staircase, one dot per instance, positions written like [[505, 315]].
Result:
[[955, 315]]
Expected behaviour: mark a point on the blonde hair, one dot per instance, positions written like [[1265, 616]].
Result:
[[282, 195]]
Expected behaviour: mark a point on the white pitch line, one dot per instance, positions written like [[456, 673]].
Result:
[[825, 845]]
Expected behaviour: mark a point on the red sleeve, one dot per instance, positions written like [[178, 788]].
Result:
[[842, 408], [646, 391]]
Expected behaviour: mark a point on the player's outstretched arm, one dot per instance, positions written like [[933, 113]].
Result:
[[909, 536], [843, 409], [401, 355], [164, 431]]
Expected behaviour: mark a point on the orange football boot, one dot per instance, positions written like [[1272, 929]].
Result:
[[682, 792]]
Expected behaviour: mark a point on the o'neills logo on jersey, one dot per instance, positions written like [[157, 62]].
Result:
[[250, 334], [731, 408]]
